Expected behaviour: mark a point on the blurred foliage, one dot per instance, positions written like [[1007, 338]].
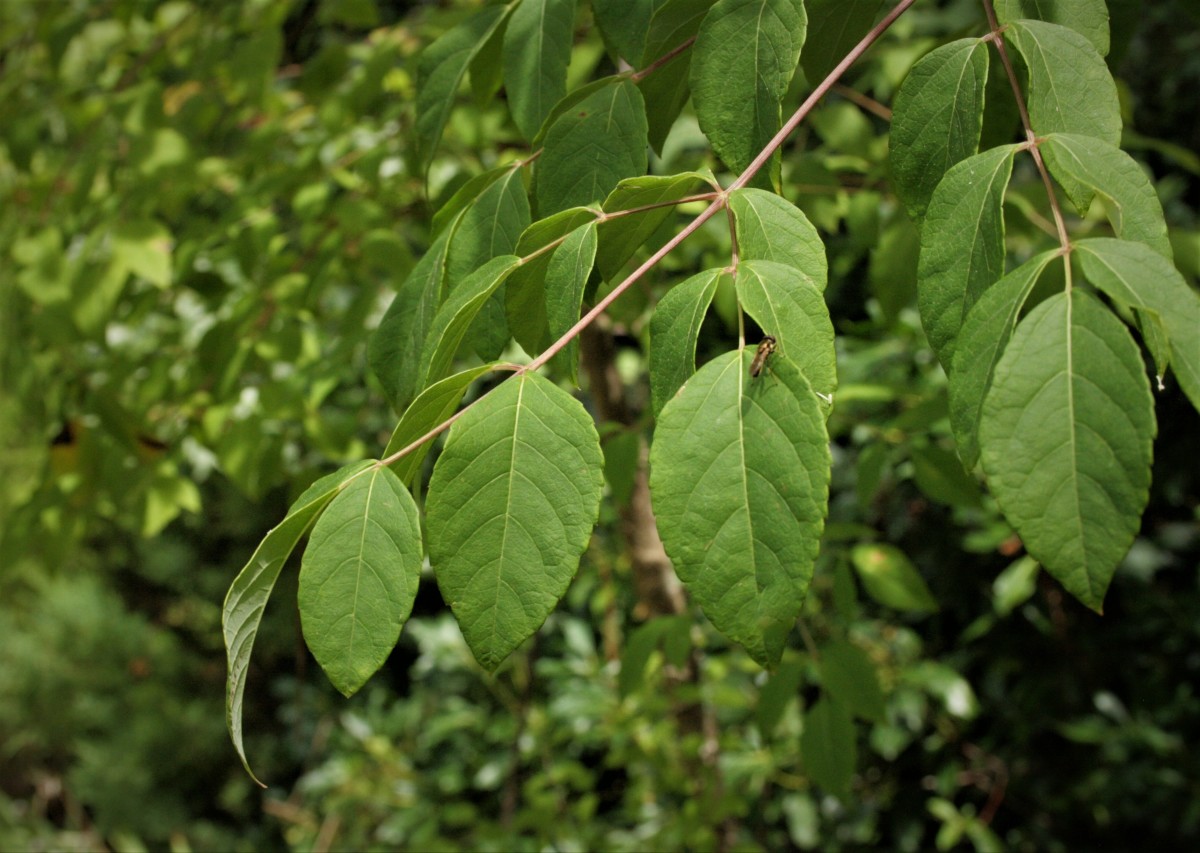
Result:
[[207, 207]]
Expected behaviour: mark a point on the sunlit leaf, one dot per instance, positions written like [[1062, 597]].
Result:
[[1089, 18], [248, 594], [770, 228], [359, 577], [891, 579], [537, 48]]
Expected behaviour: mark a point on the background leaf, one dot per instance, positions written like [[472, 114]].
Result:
[[937, 119], [359, 577], [739, 476], [890, 578], [1066, 438], [745, 54], [511, 506], [248, 594], [851, 678], [829, 747]]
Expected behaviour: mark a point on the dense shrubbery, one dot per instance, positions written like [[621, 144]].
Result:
[[209, 209]]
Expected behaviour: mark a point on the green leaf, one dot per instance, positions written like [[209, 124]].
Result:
[[621, 236], [359, 577], [486, 68], [144, 247], [850, 677], [674, 328], [590, 148], [770, 228], [1015, 585], [511, 506], [456, 315], [940, 477], [789, 305], [248, 594], [743, 59], [624, 23], [537, 49], [891, 579], [780, 690], [937, 119], [440, 71], [1089, 18], [1070, 87], [1085, 166], [834, 27], [566, 278], [986, 332], [395, 347], [739, 477], [642, 642], [525, 290], [489, 227], [1066, 438], [829, 746], [962, 244], [464, 196], [436, 403], [1138, 277], [666, 90]]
